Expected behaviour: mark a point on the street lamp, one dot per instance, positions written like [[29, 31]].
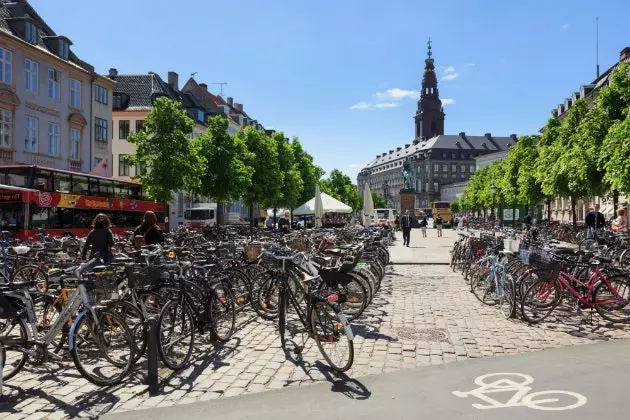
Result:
[[493, 189]]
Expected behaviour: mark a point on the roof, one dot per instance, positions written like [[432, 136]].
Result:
[[141, 88], [480, 144], [330, 204], [13, 10]]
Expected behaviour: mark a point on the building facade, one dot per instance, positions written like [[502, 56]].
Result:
[[438, 160], [46, 96]]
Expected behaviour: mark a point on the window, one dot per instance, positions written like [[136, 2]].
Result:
[[5, 128], [43, 180], [436, 186], [31, 75], [97, 161], [106, 188], [139, 167], [100, 130], [75, 93], [30, 138], [462, 168], [116, 102], [75, 144], [444, 168], [471, 168], [123, 129], [31, 33], [80, 185], [200, 115], [123, 165], [139, 125], [453, 156], [5, 66], [121, 190], [436, 167], [453, 168], [63, 49], [62, 182], [53, 139], [53, 84], [100, 94]]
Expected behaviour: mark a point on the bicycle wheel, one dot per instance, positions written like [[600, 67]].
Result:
[[176, 334], [222, 312], [50, 313], [540, 300], [29, 273], [329, 334], [484, 288], [611, 302], [264, 296], [13, 338], [134, 319], [107, 343], [282, 319], [507, 297], [239, 282]]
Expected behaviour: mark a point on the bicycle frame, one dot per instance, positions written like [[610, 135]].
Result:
[[587, 300]]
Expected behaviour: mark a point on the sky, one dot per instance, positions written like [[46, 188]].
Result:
[[343, 76]]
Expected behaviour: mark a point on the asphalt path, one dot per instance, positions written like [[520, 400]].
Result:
[[582, 382]]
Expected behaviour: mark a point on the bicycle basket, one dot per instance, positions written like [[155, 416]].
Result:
[[252, 251], [299, 244], [103, 285], [142, 277]]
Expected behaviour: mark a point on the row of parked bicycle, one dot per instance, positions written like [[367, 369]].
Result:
[[533, 277], [53, 305]]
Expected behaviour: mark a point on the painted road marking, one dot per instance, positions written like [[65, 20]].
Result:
[[517, 384]]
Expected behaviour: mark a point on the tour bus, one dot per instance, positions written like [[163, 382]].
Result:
[[443, 208], [59, 201], [201, 215]]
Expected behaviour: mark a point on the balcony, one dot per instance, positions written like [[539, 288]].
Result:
[[7, 154], [75, 165]]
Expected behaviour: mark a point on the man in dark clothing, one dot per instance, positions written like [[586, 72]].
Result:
[[405, 225], [527, 220], [284, 224], [594, 219]]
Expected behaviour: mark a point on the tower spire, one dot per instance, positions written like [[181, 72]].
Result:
[[430, 117], [429, 53]]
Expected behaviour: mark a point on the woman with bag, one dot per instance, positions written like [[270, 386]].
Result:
[[148, 233], [100, 238]]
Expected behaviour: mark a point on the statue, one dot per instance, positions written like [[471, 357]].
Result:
[[407, 174]]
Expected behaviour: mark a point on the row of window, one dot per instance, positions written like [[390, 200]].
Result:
[[31, 137], [123, 128], [31, 80], [462, 168]]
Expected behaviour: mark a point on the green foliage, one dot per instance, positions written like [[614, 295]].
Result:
[[378, 200], [455, 206], [262, 158], [225, 177], [168, 161], [309, 172], [291, 186], [339, 186]]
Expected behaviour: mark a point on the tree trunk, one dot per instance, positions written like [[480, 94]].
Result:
[[514, 214], [251, 215], [548, 209], [573, 211], [275, 210], [615, 200]]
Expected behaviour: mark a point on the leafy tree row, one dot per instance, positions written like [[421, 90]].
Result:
[[260, 168], [585, 154]]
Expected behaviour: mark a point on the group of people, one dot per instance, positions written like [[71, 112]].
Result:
[[100, 240], [595, 220], [407, 222]]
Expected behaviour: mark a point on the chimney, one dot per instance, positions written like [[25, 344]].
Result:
[[378, 156], [462, 134], [391, 151], [239, 107], [398, 149], [384, 154], [554, 112], [625, 54], [230, 101], [488, 136], [173, 80], [513, 137], [416, 141], [407, 146], [203, 86], [113, 73]]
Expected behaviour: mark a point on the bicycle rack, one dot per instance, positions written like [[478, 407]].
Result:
[[152, 357]]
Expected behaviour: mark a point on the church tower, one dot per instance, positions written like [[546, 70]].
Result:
[[430, 115]]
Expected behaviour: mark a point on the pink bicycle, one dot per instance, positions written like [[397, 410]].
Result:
[[608, 293]]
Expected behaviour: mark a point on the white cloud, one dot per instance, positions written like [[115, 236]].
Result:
[[360, 105], [450, 76], [565, 26], [450, 70], [448, 101], [387, 105]]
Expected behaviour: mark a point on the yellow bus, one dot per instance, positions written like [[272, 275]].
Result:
[[443, 208]]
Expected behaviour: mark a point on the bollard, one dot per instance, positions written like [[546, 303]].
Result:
[[152, 356], [1, 369]]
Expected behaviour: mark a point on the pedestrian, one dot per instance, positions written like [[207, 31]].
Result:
[[527, 220], [423, 227], [284, 224], [620, 224], [594, 220], [397, 223], [100, 240], [438, 223], [405, 225], [269, 223], [148, 233], [452, 221]]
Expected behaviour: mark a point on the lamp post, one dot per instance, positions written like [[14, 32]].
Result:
[[493, 189]]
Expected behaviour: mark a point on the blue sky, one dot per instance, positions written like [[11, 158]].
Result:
[[342, 75]]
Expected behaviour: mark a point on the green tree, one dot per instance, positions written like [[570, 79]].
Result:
[[169, 162], [225, 177], [455, 206], [266, 176], [309, 172], [378, 200], [291, 188], [339, 186]]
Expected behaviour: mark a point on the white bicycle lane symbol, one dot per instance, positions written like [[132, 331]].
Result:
[[494, 383]]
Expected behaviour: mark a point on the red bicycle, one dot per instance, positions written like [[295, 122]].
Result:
[[608, 293]]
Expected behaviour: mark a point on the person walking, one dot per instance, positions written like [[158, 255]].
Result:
[[100, 240], [405, 225], [438, 223], [284, 225], [527, 220], [594, 220], [423, 227], [148, 233]]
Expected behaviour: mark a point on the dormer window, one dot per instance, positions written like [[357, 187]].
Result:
[[200, 115], [30, 33], [240, 120], [64, 49]]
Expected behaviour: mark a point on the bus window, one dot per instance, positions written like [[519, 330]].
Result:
[[79, 185], [135, 191], [39, 217], [62, 182], [93, 183], [43, 180], [61, 218], [121, 190], [17, 177], [106, 188]]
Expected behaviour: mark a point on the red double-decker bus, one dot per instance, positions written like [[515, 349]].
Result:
[[35, 197]]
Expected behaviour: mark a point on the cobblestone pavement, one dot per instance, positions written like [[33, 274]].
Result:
[[423, 315]]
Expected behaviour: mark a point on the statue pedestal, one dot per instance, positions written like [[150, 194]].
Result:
[[407, 201]]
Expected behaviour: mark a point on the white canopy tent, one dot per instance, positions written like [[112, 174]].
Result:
[[331, 205]]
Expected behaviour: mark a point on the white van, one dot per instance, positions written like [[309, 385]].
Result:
[[201, 215]]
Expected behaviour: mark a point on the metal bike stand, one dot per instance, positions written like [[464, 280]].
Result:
[[1, 370], [152, 356]]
